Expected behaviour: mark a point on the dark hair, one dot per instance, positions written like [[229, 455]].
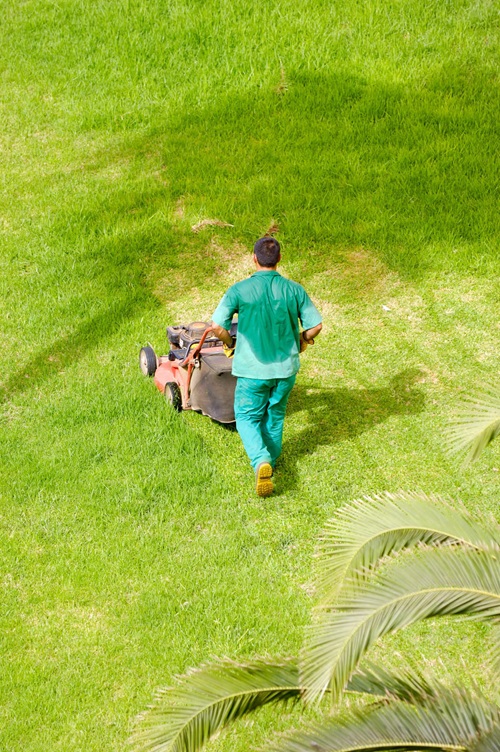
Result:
[[267, 251]]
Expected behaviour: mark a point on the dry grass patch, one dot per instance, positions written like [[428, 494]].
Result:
[[196, 303], [364, 274], [180, 208], [209, 223], [73, 620]]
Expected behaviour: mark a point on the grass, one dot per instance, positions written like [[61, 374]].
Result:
[[133, 546]]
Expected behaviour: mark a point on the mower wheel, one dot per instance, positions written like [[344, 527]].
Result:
[[173, 395], [147, 361]]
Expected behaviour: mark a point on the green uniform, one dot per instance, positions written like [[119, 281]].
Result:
[[269, 309], [266, 359]]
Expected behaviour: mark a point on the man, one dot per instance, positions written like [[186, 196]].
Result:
[[266, 358]]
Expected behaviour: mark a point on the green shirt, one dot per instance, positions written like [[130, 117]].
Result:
[[269, 309]]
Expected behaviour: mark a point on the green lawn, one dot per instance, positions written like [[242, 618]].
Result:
[[133, 546]]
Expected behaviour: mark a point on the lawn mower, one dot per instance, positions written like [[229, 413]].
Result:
[[196, 373]]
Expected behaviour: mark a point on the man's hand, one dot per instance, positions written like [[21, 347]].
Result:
[[308, 335]]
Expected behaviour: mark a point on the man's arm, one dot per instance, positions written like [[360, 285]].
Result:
[[309, 317], [224, 314], [222, 334], [308, 335]]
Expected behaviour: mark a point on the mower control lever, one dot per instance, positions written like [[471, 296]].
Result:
[[196, 353]]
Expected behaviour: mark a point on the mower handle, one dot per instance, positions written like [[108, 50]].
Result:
[[194, 362], [201, 342]]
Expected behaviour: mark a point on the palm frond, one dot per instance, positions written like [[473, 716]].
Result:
[[475, 424], [210, 698], [437, 582], [366, 531], [453, 721], [182, 719], [411, 686], [488, 742]]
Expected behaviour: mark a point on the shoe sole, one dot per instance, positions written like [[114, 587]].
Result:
[[264, 485]]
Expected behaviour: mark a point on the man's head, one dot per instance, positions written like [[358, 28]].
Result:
[[266, 252]]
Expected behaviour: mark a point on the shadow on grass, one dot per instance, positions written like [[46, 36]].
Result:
[[339, 161], [335, 415], [56, 357], [345, 162], [123, 254]]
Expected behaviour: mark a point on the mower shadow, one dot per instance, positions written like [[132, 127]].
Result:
[[335, 415]]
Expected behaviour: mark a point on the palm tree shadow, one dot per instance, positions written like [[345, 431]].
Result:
[[335, 415], [53, 359]]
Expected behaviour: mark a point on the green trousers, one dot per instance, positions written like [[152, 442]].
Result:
[[259, 407]]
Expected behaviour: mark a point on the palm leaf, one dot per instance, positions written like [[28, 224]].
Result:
[[182, 719], [212, 697], [475, 424], [438, 582], [488, 742], [411, 686], [366, 531], [452, 721]]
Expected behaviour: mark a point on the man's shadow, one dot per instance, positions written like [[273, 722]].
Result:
[[334, 415]]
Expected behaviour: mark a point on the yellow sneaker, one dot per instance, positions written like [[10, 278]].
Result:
[[263, 483]]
